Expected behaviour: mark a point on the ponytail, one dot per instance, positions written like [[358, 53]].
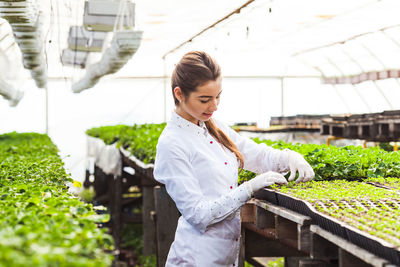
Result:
[[223, 139]]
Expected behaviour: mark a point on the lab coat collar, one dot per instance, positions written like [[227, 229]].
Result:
[[181, 122]]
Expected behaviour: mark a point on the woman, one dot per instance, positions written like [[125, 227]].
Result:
[[198, 160]]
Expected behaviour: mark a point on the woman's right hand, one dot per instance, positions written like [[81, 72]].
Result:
[[266, 179]]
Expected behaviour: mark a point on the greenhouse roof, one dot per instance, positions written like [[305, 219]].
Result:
[[328, 48], [271, 38]]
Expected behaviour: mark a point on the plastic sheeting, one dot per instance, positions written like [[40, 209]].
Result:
[[107, 157]]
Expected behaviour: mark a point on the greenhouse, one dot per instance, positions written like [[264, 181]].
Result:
[[199, 133]]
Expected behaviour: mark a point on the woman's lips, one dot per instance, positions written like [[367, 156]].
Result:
[[208, 115]]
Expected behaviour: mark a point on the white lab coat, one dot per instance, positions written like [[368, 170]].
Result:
[[197, 171]]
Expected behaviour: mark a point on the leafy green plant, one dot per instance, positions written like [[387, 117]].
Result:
[[87, 194], [41, 223], [140, 139], [147, 261], [328, 162], [279, 262], [349, 162]]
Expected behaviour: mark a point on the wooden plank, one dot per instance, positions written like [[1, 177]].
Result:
[[314, 263], [346, 259], [167, 216], [101, 185], [286, 231], [149, 230], [264, 218], [266, 232], [322, 249], [132, 201], [130, 180], [145, 181], [247, 213], [283, 212], [129, 176], [116, 210], [362, 254], [136, 218], [259, 246], [300, 261], [303, 238]]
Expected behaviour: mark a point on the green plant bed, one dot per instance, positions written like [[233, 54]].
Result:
[[364, 206], [140, 139], [328, 162], [41, 223], [349, 162]]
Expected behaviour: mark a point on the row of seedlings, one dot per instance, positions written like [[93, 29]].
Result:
[[42, 223]]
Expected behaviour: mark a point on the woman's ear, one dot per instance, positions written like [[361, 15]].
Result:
[[178, 94]]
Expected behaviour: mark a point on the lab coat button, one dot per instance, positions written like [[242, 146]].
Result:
[[211, 142], [230, 187], [226, 163]]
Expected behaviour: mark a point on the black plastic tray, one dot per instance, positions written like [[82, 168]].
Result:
[[332, 225]]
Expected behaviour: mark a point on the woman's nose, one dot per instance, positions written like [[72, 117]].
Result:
[[214, 105]]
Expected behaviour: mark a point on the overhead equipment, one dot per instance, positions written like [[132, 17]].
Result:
[[25, 20], [74, 58], [100, 15], [81, 39], [123, 46]]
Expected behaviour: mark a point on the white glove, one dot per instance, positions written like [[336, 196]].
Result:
[[296, 164], [264, 180]]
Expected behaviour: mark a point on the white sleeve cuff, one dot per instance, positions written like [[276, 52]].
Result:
[[229, 203]]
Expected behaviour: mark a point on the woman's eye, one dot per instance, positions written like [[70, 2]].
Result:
[[203, 101]]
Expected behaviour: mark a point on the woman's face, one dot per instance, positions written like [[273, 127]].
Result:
[[201, 104]]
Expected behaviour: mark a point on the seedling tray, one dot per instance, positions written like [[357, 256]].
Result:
[[342, 229]]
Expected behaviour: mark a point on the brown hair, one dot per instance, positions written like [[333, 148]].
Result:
[[195, 69]]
